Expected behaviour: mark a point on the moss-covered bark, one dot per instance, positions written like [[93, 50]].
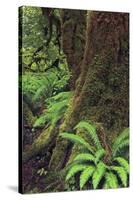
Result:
[[102, 89], [28, 121], [73, 40]]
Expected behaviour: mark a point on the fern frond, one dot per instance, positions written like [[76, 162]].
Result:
[[56, 107], [117, 149], [60, 96], [91, 130], [123, 162], [106, 185], [98, 174], [77, 139], [85, 175], [98, 155], [84, 157], [111, 180], [121, 173], [75, 169], [124, 136]]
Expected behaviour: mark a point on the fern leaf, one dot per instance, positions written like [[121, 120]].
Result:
[[99, 154], [123, 162], [56, 107], [84, 157], [121, 173], [85, 175], [98, 174], [117, 149], [111, 180], [106, 185], [91, 131], [124, 136], [77, 139], [75, 169]]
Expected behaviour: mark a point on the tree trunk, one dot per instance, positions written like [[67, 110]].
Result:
[[101, 93], [73, 40]]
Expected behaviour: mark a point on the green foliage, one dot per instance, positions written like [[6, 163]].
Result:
[[77, 139], [121, 142], [91, 130], [38, 87], [98, 174], [122, 162], [121, 173], [99, 155], [85, 157], [111, 180], [33, 25], [32, 22], [86, 175], [92, 166], [75, 169], [56, 107]]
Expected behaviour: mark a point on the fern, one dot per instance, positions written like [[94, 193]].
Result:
[[123, 163], [77, 139], [91, 130], [121, 173], [122, 145], [85, 175], [106, 185], [56, 107], [121, 141], [99, 154], [98, 174], [85, 157], [37, 87], [75, 169], [111, 180], [95, 168]]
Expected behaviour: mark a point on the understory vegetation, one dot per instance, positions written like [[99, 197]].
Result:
[[96, 170], [73, 80]]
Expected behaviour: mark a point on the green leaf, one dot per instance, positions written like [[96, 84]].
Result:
[[121, 173], [75, 169], [98, 174], [84, 157], [111, 180], [121, 141], [85, 175], [123, 144], [99, 154], [91, 131], [77, 139], [106, 185], [123, 162]]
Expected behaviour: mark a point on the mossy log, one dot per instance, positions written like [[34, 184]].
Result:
[[45, 140]]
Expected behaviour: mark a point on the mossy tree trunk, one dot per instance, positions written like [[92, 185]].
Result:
[[101, 93], [73, 26]]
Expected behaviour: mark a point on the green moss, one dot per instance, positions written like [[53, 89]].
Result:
[[28, 116], [40, 144]]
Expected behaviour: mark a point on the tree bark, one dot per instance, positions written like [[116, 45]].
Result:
[[101, 93], [73, 25]]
